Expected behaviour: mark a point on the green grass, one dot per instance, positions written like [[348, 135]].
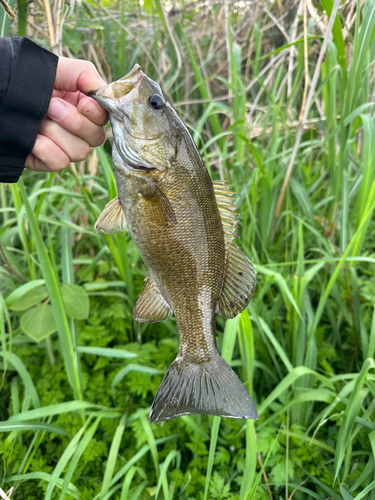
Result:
[[74, 402]]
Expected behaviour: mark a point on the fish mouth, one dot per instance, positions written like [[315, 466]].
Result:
[[112, 98], [122, 91]]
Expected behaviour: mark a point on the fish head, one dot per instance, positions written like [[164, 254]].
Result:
[[138, 111]]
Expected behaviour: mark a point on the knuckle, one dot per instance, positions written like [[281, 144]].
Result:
[[76, 125], [103, 137], [99, 138], [81, 152], [51, 155], [63, 163], [46, 146], [90, 66]]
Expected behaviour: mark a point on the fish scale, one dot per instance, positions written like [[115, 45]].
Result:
[[183, 226]]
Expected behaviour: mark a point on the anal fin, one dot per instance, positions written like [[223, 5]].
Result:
[[112, 219], [151, 306], [239, 283]]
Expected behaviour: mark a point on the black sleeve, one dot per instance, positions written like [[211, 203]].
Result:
[[27, 76]]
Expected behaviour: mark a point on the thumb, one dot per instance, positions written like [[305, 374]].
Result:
[[74, 75]]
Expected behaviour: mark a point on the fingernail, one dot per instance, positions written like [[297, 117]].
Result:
[[57, 109]]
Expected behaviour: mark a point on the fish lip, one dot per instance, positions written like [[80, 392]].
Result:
[[121, 91], [136, 69], [111, 100]]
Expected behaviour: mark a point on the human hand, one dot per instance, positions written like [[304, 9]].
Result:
[[73, 123]]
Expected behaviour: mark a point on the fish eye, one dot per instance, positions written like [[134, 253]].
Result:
[[156, 101]]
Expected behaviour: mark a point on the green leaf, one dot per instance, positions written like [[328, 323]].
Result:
[[30, 299], [85, 441], [217, 488], [18, 365], [51, 410], [22, 15], [50, 275], [71, 40], [162, 481], [106, 352], [76, 301], [113, 454], [34, 426], [128, 479], [133, 368], [39, 322], [44, 476], [21, 291], [345, 494], [86, 23]]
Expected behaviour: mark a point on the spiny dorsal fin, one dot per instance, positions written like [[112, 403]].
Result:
[[151, 306], [227, 210], [112, 219], [239, 280]]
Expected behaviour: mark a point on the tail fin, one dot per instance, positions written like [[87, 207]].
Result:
[[210, 388]]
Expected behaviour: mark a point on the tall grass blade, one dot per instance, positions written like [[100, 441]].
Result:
[[229, 340], [53, 286], [112, 457]]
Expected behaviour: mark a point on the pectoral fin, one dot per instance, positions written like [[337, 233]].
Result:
[[239, 279], [112, 219], [151, 306], [162, 205]]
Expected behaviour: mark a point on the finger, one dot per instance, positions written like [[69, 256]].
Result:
[[86, 106], [91, 110], [69, 118], [34, 163], [58, 93], [74, 147], [46, 156], [74, 74]]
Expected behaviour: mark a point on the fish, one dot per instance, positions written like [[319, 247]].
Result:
[[183, 225]]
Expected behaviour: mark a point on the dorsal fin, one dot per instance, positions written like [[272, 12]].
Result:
[[239, 279], [112, 219], [228, 214], [151, 306]]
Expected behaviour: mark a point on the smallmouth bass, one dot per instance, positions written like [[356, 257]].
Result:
[[183, 225]]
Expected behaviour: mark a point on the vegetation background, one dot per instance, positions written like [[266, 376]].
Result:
[[280, 101]]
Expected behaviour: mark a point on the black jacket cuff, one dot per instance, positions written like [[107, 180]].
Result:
[[24, 105]]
